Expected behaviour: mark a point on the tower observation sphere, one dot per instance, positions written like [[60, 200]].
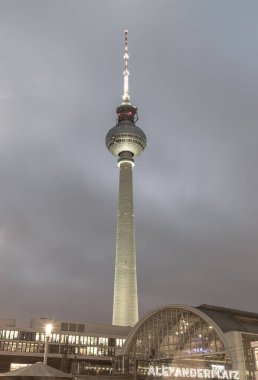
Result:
[[125, 141]]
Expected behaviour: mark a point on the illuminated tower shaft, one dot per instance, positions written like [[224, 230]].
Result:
[[125, 307], [125, 141]]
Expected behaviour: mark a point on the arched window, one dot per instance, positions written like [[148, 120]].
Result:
[[178, 336]]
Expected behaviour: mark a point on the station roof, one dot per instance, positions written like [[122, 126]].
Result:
[[231, 319]]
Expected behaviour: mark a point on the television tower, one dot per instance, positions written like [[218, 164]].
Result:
[[125, 141]]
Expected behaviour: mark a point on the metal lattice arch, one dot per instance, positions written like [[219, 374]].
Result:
[[179, 335]]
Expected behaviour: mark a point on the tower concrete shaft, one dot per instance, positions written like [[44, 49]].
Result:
[[125, 141], [125, 306]]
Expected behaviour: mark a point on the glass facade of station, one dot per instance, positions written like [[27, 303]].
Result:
[[176, 337], [249, 355]]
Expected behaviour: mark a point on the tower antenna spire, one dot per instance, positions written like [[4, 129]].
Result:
[[126, 96]]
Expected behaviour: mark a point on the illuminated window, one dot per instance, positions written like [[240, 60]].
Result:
[[63, 338], [91, 351], [55, 338], [102, 351], [80, 350], [111, 352], [14, 346], [120, 342], [256, 358], [103, 341], [93, 340]]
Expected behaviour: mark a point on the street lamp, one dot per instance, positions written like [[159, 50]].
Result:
[[48, 330]]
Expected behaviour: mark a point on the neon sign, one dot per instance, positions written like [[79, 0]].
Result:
[[199, 373]]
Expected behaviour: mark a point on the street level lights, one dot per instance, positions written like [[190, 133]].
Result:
[[48, 330]]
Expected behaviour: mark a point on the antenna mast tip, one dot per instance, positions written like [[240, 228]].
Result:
[[126, 96]]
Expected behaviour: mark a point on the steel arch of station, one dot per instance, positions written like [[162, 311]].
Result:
[[182, 325]]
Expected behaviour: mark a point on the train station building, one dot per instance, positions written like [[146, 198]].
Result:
[[175, 341]]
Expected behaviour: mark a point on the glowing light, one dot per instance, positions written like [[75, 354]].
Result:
[[48, 329], [128, 161], [201, 373]]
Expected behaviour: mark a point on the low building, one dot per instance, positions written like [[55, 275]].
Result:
[[77, 347]]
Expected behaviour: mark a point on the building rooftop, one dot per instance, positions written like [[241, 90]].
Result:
[[38, 370], [231, 319], [97, 329]]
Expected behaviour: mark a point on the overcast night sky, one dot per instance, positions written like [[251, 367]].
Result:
[[194, 78]]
